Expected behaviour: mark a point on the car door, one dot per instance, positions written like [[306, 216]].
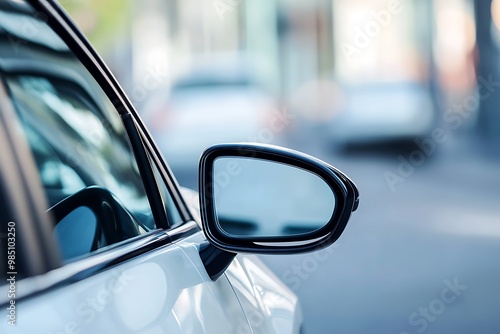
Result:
[[116, 248]]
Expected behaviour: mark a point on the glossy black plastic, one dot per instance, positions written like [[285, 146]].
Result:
[[215, 260], [343, 188]]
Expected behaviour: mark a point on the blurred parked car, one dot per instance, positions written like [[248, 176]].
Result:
[[219, 100], [382, 111]]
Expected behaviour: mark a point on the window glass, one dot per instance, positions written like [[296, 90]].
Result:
[[78, 141], [76, 146]]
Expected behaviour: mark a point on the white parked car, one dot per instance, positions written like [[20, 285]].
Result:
[[383, 111], [96, 236], [219, 100]]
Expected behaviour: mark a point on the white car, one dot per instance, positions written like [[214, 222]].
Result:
[[219, 100], [96, 236], [383, 111]]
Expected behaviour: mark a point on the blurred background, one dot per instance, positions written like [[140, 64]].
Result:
[[402, 95]]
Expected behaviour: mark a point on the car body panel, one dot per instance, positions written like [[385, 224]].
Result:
[[270, 306], [163, 291]]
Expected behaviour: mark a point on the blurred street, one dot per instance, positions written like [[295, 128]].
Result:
[[441, 223]]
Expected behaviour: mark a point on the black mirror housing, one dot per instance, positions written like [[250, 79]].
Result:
[[247, 238]]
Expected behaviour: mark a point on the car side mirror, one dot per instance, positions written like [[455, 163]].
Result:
[[267, 199]]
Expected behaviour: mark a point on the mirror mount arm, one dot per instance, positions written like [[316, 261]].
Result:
[[215, 260]]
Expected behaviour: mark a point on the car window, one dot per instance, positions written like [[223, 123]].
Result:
[[79, 144], [75, 147]]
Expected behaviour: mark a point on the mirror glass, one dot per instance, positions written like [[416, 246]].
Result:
[[76, 232], [259, 198]]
